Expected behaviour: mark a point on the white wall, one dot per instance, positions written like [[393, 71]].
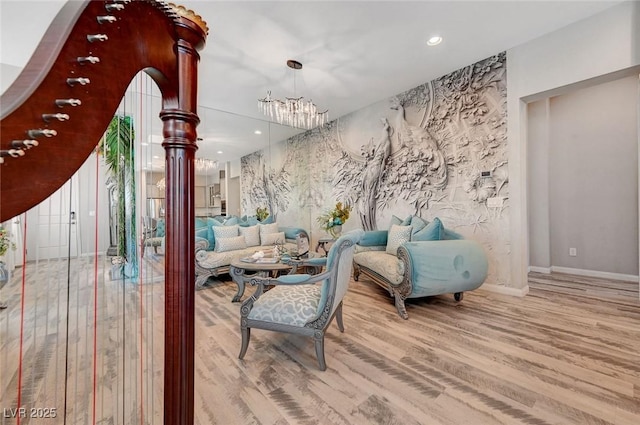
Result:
[[89, 214], [8, 74], [593, 169], [538, 184], [595, 47], [590, 166]]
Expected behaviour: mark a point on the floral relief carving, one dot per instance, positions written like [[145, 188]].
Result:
[[439, 149]]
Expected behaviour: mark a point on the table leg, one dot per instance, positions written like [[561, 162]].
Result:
[[237, 275]]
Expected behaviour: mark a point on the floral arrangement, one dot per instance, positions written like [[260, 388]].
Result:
[[332, 221], [5, 241], [262, 213]]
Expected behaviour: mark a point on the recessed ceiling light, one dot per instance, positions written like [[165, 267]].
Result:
[[219, 151], [434, 41], [257, 132]]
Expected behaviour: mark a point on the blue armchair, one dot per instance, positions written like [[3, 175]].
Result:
[[301, 303]]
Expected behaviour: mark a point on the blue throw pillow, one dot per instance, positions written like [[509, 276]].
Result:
[[231, 221], [431, 232], [417, 224], [374, 238], [203, 233], [160, 228], [400, 222], [200, 223], [268, 220]]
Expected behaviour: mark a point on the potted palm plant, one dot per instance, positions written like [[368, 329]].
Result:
[[118, 151]]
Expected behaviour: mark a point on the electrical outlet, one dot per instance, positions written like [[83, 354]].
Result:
[[572, 252]]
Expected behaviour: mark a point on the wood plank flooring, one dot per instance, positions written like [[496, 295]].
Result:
[[567, 353]]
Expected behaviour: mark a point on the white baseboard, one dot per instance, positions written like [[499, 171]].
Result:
[[535, 269], [506, 290], [595, 273], [92, 254]]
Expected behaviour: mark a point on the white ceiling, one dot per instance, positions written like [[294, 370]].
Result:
[[354, 53]]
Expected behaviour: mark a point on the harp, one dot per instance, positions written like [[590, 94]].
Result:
[[52, 118]]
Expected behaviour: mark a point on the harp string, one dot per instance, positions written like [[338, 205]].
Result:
[[84, 339]]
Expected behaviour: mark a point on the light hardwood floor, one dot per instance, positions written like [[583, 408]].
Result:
[[567, 353]]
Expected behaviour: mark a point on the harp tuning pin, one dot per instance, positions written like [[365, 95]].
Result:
[[113, 6], [14, 153], [68, 102], [91, 59], [79, 80], [59, 117], [40, 132], [21, 144], [97, 37], [108, 19]]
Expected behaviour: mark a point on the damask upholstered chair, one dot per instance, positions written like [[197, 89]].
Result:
[[301, 303]]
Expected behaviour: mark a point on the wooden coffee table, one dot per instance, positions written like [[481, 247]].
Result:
[[241, 272]]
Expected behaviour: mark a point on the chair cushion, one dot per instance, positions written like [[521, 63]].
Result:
[[288, 305], [397, 236], [251, 235], [230, 244], [386, 265]]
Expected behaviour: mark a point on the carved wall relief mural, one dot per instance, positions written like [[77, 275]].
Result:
[[263, 186], [437, 150]]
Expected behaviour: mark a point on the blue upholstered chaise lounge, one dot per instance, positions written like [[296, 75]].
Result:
[[436, 261]]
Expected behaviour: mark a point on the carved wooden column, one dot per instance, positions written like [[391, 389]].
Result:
[[180, 121]]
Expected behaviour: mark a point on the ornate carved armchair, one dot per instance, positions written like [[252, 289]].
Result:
[[301, 303]]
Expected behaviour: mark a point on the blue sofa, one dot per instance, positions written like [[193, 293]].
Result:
[[442, 262], [211, 262]]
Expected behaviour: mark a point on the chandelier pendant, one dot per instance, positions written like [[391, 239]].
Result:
[[293, 111]]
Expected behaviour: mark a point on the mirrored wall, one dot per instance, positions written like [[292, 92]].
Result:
[[83, 328]]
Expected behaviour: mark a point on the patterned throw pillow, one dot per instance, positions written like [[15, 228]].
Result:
[[230, 244], [225, 232], [272, 238], [397, 236], [265, 229], [251, 235]]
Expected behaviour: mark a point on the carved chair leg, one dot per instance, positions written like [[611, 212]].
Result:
[[246, 335], [339, 317], [356, 272], [399, 300], [201, 280], [319, 341]]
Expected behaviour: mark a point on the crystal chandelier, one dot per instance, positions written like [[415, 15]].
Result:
[[161, 184], [202, 164], [293, 111]]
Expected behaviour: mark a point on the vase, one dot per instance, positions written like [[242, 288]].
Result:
[[4, 273], [335, 231]]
